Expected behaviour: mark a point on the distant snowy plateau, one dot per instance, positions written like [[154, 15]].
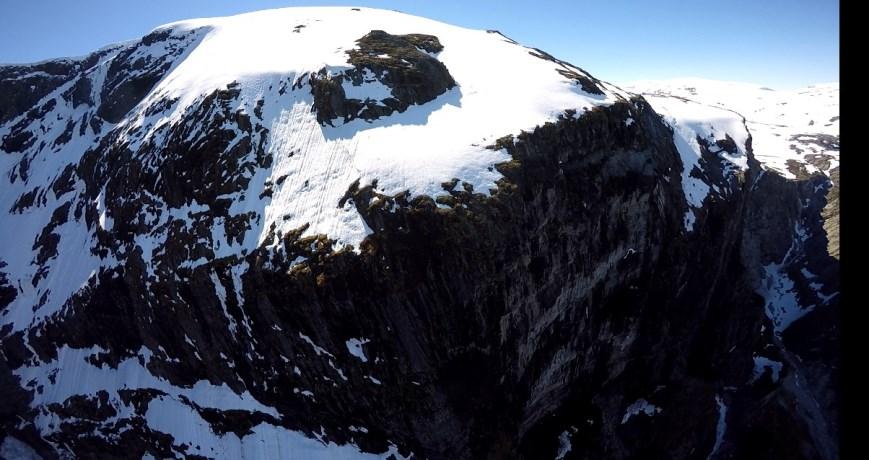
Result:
[[341, 233]]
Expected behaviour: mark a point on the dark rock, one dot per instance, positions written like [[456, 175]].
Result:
[[588, 83], [17, 142], [404, 63], [25, 201], [80, 93], [128, 81], [123, 97], [8, 293]]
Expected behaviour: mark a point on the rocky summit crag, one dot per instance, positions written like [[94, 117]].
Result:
[[353, 233]]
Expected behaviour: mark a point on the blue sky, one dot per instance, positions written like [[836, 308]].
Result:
[[778, 43]]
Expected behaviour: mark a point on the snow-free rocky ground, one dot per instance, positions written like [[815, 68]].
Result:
[[354, 233]]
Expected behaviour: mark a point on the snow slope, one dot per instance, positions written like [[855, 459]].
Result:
[[313, 165], [416, 150]]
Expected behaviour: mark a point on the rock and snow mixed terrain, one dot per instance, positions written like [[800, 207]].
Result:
[[794, 132], [265, 63], [354, 233]]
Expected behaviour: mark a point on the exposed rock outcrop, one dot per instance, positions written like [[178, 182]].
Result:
[[404, 64]]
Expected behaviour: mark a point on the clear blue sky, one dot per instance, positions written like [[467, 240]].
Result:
[[778, 43]]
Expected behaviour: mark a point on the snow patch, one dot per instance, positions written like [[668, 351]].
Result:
[[371, 89], [762, 363], [317, 349], [780, 296], [265, 440], [640, 406], [564, 443], [354, 346], [721, 427]]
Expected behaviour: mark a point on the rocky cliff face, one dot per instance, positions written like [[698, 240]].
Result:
[[333, 261]]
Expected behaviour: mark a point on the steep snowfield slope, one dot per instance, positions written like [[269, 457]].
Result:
[[242, 130], [794, 132]]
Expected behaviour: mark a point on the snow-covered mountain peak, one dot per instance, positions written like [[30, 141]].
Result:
[[257, 49], [256, 126]]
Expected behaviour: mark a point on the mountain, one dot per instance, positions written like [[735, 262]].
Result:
[[355, 233]]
